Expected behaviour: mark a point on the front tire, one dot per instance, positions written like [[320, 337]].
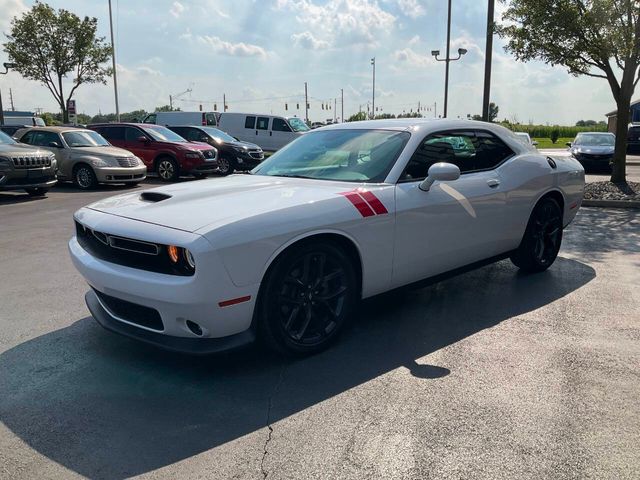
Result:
[[84, 177], [226, 165], [542, 238], [168, 169], [308, 297]]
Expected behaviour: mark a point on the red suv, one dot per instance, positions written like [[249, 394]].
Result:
[[161, 150]]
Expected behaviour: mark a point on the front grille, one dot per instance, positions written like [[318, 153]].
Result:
[[209, 154], [256, 155], [31, 162], [127, 162], [127, 251], [131, 312]]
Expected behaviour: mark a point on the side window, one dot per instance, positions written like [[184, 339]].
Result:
[[210, 119], [491, 151], [43, 139], [250, 122], [113, 133], [194, 135], [132, 134], [279, 125], [262, 123], [28, 138], [458, 148], [151, 118]]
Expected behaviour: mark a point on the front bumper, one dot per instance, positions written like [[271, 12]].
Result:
[[32, 178], [201, 298], [121, 174], [192, 346]]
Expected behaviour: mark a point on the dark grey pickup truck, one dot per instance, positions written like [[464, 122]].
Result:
[[27, 168]]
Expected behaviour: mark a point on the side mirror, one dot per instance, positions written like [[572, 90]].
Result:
[[442, 172], [569, 144], [142, 139], [534, 143], [204, 139], [54, 145]]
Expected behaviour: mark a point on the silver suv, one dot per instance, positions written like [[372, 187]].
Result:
[[25, 168], [85, 157]]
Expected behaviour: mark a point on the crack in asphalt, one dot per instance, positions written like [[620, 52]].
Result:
[[265, 450]]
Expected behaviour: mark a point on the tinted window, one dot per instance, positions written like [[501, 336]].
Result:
[[262, 123], [43, 139], [279, 125], [469, 151], [250, 122], [210, 119], [132, 134], [150, 118], [27, 137], [194, 135], [112, 133]]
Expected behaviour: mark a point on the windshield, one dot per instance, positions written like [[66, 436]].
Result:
[[297, 125], [162, 134], [218, 135], [84, 138], [593, 139], [345, 155], [6, 139]]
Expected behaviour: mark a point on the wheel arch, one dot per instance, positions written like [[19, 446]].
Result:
[[555, 194], [164, 154]]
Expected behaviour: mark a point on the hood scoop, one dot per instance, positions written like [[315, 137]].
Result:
[[154, 197]]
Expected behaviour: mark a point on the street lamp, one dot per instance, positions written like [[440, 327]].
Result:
[[7, 66], [373, 99], [447, 60]]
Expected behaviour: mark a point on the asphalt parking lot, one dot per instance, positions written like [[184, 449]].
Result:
[[492, 374]]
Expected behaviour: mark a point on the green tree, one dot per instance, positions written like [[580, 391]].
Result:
[[597, 38], [493, 112], [357, 117], [49, 46], [554, 135], [167, 108]]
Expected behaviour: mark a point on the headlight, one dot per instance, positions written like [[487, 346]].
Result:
[[181, 258], [240, 149], [98, 163], [194, 155]]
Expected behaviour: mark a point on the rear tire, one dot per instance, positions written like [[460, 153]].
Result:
[[542, 238], [84, 178], [307, 299], [168, 169], [36, 191]]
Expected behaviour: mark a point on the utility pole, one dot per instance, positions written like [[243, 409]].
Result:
[[224, 102], [306, 104], [170, 102], [342, 105], [113, 61], [13, 109], [487, 62], [446, 74], [373, 99], [335, 105]]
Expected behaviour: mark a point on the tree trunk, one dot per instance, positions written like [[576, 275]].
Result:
[[619, 172]]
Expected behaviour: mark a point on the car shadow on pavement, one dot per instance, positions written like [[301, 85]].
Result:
[[107, 407]]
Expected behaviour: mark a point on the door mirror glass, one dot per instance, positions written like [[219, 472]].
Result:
[[442, 172], [54, 145], [142, 139], [569, 144]]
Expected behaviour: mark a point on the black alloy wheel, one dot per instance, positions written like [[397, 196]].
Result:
[[542, 239], [309, 296]]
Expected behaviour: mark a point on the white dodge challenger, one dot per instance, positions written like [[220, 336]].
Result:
[[285, 253]]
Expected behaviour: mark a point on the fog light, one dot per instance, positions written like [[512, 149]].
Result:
[[194, 327]]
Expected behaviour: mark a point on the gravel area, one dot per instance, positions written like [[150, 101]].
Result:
[[612, 191]]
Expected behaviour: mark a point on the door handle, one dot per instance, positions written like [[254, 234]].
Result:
[[270, 134], [256, 132], [493, 182]]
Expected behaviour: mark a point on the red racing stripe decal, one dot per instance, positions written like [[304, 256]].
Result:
[[372, 200], [357, 201], [234, 301]]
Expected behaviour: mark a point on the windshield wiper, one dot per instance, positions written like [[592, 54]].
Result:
[[291, 176]]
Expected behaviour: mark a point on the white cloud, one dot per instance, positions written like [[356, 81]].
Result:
[[342, 22], [308, 41], [411, 8], [239, 49], [414, 40], [10, 9], [413, 58], [176, 9]]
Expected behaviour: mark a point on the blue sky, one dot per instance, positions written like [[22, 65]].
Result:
[[260, 52]]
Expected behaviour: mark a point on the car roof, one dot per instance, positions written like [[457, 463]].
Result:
[[125, 124], [56, 129], [418, 125], [595, 133]]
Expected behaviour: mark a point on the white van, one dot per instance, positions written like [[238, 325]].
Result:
[[23, 120], [271, 132], [176, 119]]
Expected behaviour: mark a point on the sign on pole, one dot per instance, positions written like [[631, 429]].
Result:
[[71, 109]]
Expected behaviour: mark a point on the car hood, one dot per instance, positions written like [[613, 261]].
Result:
[[17, 149], [594, 149], [192, 206], [102, 151], [250, 146]]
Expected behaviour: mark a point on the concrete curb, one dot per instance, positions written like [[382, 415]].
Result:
[[611, 203]]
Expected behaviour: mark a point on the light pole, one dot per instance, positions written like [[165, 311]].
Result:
[[373, 99], [487, 62], [6, 66], [113, 60], [448, 59]]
